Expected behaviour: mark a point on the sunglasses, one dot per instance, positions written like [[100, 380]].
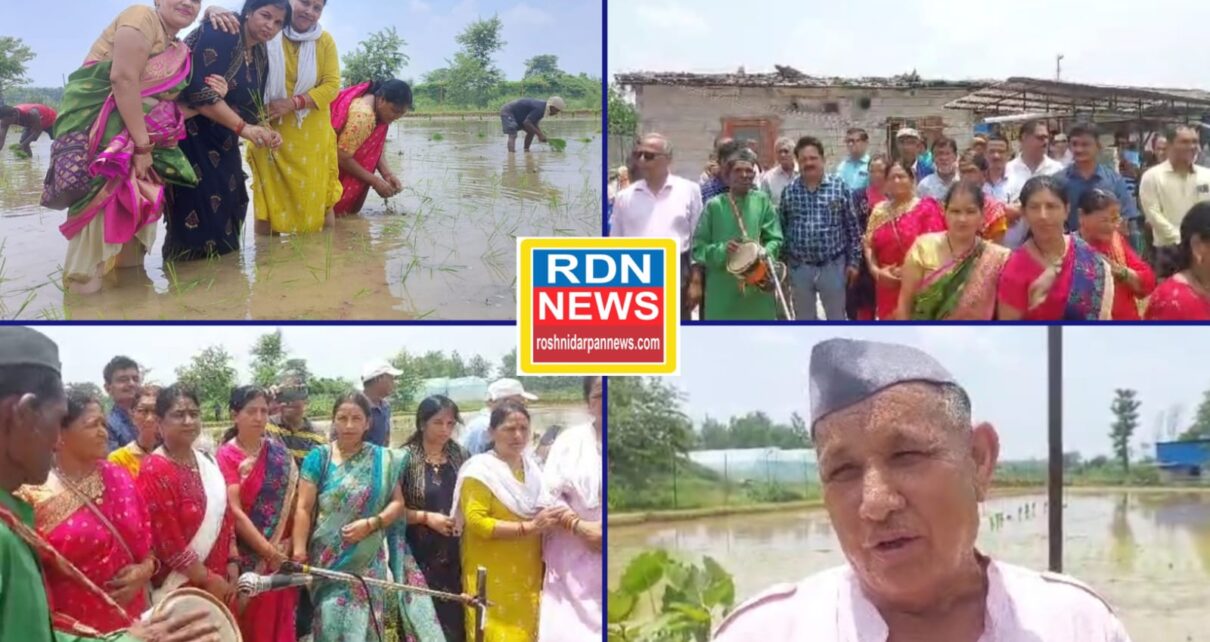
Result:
[[647, 155]]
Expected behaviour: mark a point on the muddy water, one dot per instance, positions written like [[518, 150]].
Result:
[[1148, 554], [443, 249]]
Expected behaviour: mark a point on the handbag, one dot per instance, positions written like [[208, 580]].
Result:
[[68, 179]]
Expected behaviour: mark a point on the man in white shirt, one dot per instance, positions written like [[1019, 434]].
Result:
[[1032, 161], [775, 180], [474, 438], [903, 470], [661, 205], [945, 155], [1168, 191]]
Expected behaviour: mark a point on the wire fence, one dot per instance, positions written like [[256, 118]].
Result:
[[719, 478]]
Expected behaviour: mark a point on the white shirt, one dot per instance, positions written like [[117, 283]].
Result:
[[1167, 197], [1017, 174], [935, 187], [775, 180], [831, 607], [673, 213]]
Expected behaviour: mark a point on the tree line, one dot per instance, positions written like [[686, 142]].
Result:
[[211, 372]]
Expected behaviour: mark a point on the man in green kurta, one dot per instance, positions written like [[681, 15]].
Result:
[[32, 407], [719, 233]]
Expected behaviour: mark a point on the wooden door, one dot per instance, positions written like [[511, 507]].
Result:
[[761, 130]]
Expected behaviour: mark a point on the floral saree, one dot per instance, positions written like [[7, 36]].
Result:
[[357, 488], [118, 207], [891, 232], [1078, 287], [962, 288], [366, 136], [267, 486]]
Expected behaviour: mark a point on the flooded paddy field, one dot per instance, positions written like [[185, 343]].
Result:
[[443, 249], [1147, 553]]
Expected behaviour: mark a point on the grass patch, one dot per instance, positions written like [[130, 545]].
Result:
[[557, 144], [437, 136]]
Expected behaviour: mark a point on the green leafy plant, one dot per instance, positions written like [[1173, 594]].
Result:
[[692, 596], [437, 136], [557, 144]]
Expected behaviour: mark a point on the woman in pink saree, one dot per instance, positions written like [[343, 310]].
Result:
[[572, 603], [116, 140], [90, 512], [894, 225], [261, 483], [362, 116]]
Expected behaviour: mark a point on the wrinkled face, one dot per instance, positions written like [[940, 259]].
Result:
[[910, 147], [1046, 213], [145, 419], [740, 177], [650, 158], [963, 216], [1033, 144], [512, 436], [899, 184], [1084, 149], [997, 153], [307, 13], [387, 111], [252, 418], [293, 412], [124, 386], [441, 426], [178, 14], [31, 428], [182, 424], [810, 161], [1099, 225], [265, 23], [902, 484], [350, 423], [785, 158], [1184, 146], [86, 438], [945, 158]]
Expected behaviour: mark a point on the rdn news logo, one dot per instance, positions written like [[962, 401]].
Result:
[[604, 306]]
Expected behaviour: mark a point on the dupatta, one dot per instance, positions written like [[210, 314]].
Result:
[[358, 489], [268, 483], [1079, 288], [212, 521], [962, 288], [368, 155]]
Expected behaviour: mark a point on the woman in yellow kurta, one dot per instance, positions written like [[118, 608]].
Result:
[[295, 187], [496, 506]]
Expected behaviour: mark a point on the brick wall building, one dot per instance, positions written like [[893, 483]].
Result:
[[695, 109]]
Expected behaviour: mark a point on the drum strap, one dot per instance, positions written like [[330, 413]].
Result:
[[113, 530], [739, 217]]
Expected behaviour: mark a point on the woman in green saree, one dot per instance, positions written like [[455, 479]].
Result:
[[116, 140], [952, 275], [349, 499]]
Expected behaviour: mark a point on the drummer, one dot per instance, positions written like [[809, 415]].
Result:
[[32, 407], [741, 215]]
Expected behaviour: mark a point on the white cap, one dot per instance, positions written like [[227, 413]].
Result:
[[908, 132], [376, 369], [504, 388], [556, 102]]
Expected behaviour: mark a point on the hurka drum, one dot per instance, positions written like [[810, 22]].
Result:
[[190, 600], [749, 267]]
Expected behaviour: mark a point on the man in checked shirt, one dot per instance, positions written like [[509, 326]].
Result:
[[822, 240]]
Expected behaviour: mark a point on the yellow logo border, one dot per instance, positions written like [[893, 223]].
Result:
[[672, 305]]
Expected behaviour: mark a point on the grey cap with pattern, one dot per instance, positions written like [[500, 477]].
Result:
[[21, 346]]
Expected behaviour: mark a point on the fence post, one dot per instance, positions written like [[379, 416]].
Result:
[[726, 481], [675, 502]]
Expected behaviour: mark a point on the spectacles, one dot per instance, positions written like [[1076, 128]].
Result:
[[852, 141], [647, 155]]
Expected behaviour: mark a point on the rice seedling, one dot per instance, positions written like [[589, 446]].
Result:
[[437, 136], [557, 144]]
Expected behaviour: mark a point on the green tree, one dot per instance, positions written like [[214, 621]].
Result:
[[14, 54], [647, 428], [800, 430], [210, 373], [268, 357], [299, 367], [407, 385], [479, 367], [379, 57], [715, 435], [456, 367], [1125, 409], [473, 75], [508, 365], [1201, 421], [623, 119], [543, 65], [89, 388]]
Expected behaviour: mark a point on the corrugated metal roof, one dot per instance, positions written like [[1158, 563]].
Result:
[[789, 77], [1057, 98]]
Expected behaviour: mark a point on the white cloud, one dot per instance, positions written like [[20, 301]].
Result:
[[419, 6], [673, 17], [523, 14]]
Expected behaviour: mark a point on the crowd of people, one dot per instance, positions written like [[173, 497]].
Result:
[[150, 126], [124, 507], [939, 233]]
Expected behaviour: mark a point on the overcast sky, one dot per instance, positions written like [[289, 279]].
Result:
[[1111, 41], [330, 351], [570, 30]]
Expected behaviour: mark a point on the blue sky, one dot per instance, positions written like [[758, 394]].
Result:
[[570, 30], [731, 371], [1152, 43]]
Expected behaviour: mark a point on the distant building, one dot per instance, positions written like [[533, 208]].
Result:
[[1184, 460]]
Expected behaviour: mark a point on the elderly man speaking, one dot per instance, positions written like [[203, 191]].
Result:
[[903, 472]]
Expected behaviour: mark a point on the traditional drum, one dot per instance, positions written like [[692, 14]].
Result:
[[747, 264], [190, 600]]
